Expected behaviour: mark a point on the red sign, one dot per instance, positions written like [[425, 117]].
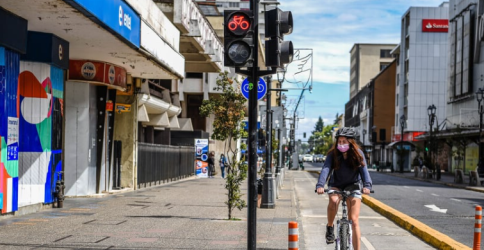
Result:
[[109, 106], [93, 71], [435, 25], [407, 136]]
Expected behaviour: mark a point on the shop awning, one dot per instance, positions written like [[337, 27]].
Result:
[[406, 145]]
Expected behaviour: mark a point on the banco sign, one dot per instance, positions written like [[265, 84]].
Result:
[[124, 19], [435, 25]]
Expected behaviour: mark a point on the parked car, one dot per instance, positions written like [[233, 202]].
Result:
[[308, 158]]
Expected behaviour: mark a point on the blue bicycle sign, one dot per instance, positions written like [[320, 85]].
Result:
[[261, 90]]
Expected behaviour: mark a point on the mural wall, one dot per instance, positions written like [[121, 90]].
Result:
[[31, 110], [9, 136]]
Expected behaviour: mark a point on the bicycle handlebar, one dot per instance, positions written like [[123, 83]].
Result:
[[339, 191]]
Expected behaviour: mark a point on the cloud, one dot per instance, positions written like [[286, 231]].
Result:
[[332, 27]]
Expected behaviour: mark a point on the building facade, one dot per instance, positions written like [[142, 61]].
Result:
[[366, 61]]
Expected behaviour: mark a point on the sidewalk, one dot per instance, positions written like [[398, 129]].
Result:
[[187, 214]]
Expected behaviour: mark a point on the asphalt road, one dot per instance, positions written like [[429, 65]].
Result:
[[446, 209]]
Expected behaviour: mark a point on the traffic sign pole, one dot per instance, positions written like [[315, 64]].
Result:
[[252, 182]]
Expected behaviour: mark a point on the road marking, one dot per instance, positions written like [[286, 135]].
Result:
[[434, 208], [375, 225], [435, 195], [418, 190], [455, 200], [368, 245], [325, 216]]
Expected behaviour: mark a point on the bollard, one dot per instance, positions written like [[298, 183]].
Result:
[[477, 229], [293, 236]]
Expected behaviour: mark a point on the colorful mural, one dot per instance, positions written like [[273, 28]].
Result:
[[31, 110], [40, 118], [9, 136]]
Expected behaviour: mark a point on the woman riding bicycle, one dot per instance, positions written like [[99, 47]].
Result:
[[347, 163]]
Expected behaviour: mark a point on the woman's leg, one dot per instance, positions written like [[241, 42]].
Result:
[[222, 170], [354, 205], [333, 207]]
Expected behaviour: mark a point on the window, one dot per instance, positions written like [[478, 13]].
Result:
[[383, 66], [398, 79], [233, 5], [194, 75], [397, 100], [385, 53]]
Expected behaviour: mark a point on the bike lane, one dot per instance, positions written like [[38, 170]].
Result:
[[377, 232]]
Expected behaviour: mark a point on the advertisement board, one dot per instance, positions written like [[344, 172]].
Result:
[[435, 25], [201, 157]]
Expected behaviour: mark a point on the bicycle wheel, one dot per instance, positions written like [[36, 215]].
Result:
[[344, 232]]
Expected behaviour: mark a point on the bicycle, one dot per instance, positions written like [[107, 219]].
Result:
[[343, 226]]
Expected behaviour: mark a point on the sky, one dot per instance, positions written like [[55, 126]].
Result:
[[330, 28]]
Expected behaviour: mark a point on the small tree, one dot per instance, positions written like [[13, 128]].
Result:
[[228, 111]]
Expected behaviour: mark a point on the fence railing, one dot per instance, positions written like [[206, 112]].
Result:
[[163, 163]]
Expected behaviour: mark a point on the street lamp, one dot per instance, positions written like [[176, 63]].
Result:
[[480, 110], [431, 112], [402, 126]]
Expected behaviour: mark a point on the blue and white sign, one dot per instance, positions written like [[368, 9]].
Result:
[[261, 92], [118, 15], [12, 139]]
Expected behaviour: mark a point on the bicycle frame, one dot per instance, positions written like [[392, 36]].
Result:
[[342, 221]]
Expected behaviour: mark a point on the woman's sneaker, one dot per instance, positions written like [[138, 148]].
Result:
[[329, 234]]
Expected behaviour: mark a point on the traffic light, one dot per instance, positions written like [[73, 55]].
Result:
[[304, 134], [277, 24], [238, 43]]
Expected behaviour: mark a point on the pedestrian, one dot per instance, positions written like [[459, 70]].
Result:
[[420, 163], [211, 164], [346, 168], [222, 162]]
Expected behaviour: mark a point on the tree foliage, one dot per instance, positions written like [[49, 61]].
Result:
[[318, 127], [228, 112]]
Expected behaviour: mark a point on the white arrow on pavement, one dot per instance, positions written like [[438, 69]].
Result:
[[434, 208]]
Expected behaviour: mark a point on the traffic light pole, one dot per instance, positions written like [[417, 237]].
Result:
[[254, 79]]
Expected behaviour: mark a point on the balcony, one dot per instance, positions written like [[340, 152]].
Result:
[[199, 43]]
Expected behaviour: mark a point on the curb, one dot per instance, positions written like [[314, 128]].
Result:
[[417, 228]]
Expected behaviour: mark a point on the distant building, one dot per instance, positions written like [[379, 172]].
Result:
[[366, 61], [422, 68]]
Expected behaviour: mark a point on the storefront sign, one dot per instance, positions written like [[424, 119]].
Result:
[[116, 14], [93, 71], [48, 48], [407, 136], [123, 108], [109, 105], [435, 25], [201, 157]]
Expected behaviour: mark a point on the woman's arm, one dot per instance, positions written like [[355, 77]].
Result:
[[325, 171], [365, 175]]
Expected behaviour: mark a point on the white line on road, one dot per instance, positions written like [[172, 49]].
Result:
[[325, 216], [435, 195], [419, 190], [455, 200], [368, 245]]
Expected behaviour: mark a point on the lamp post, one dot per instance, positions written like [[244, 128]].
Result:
[[480, 110], [402, 126], [431, 112]]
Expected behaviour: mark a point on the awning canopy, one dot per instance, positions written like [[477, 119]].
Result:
[[405, 144]]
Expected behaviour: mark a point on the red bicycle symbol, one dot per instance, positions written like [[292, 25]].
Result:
[[238, 21]]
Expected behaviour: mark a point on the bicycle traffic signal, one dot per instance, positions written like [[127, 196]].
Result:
[[238, 43], [277, 24]]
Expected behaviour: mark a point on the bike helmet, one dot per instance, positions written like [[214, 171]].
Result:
[[347, 132]]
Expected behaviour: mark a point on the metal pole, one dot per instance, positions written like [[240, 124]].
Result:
[[252, 176], [431, 123], [480, 169], [401, 145], [268, 182]]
